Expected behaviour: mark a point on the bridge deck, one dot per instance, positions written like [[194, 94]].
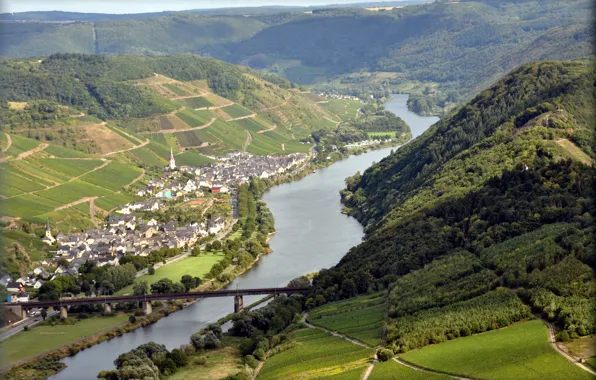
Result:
[[155, 297]]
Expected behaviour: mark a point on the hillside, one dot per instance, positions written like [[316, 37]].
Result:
[[102, 105], [484, 218], [454, 49]]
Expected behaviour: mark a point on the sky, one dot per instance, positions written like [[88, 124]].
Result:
[[141, 6]]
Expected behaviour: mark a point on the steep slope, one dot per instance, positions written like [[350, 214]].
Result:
[[484, 216], [184, 101]]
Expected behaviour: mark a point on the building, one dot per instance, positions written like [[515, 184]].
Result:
[[172, 160], [48, 238]]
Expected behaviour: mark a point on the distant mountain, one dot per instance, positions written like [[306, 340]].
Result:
[[498, 194]]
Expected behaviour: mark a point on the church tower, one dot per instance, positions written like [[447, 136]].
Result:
[[48, 238], [172, 160]]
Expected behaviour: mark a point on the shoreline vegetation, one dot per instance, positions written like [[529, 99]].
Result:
[[49, 363]]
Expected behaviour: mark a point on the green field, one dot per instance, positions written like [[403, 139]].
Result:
[[147, 157], [360, 317], [61, 152], [198, 102], [21, 144], [113, 176], [393, 370], [12, 184], [71, 168], [175, 89], [520, 351], [220, 363], [43, 338], [192, 159], [68, 220], [110, 201], [342, 108], [195, 266], [317, 354], [236, 110], [72, 191], [27, 205], [381, 134], [194, 118]]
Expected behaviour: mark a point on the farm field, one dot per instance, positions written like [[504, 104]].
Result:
[[68, 220], [176, 89], [113, 176], [195, 266], [110, 201], [60, 152], [21, 144], [12, 184], [43, 338], [381, 134], [343, 109], [165, 124], [72, 168], [220, 363], [27, 205], [316, 354], [393, 370], [198, 102], [360, 317], [147, 157], [107, 139], [194, 118], [236, 110], [520, 351], [72, 191], [192, 159]]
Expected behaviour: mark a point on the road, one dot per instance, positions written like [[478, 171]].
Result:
[[31, 321]]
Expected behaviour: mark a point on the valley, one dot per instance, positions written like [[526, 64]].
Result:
[[408, 184]]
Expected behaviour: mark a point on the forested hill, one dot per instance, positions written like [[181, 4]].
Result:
[[461, 47], [498, 194]]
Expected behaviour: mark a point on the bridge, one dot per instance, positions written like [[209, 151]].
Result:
[[21, 308]]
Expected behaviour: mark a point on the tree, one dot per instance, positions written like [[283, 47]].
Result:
[[44, 313], [384, 354], [151, 270], [165, 285], [179, 357], [106, 288], [348, 288], [140, 288], [198, 341], [299, 282], [189, 282], [196, 251], [178, 288], [211, 341]]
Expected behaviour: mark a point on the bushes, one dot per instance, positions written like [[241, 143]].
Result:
[[384, 354], [251, 361]]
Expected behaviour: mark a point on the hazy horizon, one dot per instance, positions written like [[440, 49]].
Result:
[[124, 7]]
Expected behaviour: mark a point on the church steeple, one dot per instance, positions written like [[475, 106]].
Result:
[[172, 160]]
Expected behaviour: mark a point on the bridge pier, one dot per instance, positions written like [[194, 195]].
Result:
[[107, 308], [63, 312], [147, 309], [238, 304]]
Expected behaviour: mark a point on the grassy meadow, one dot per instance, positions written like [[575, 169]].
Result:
[[43, 338], [317, 354], [360, 318], [520, 351], [194, 266], [393, 370]]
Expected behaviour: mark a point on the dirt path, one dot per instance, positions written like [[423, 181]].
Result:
[[273, 128], [280, 105], [129, 149], [553, 342], [92, 212], [214, 107], [283, 146], [247, 142], [362, 344], [180, 130], [37, 149], [74, 203], [8, 142], [136, 179], [243, 117], [70, 180]]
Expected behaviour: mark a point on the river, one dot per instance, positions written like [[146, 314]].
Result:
[[311, 234]]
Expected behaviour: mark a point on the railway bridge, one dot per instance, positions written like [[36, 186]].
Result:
[[21, 308]]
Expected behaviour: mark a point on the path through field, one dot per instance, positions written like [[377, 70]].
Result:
[[58, 184], [8, 142], [362, 344], [279, 105], [129, 149], [92, 212], [247, 142], [273, 128], [180, 130], [38, 148], [243, 117], [553, 342]]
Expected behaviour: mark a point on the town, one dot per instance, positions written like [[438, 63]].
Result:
[[139, 228]]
